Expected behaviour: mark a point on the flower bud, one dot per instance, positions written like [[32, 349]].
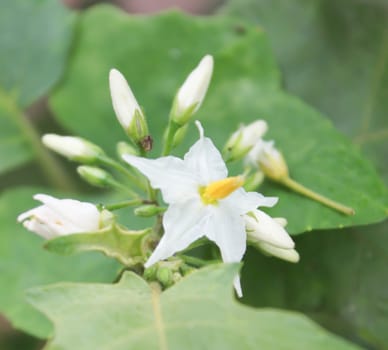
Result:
[[127, 109], [73, 148], [164, 276], [95, 176], [243, 140], [179, 135], [269, 160], [290, 255], [59, 217], [125, 148], [191, 94], [150, 273], [261, 227], [148, 210]]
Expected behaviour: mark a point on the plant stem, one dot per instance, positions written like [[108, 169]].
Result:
[[191, 260], [297, 187], [124, 204], [122, 169], [168, 142], [50, 166]]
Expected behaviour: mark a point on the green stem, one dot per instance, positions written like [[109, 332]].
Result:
[[124, 204], [50, 166], [297, 187], [104, 160], [169, 141]]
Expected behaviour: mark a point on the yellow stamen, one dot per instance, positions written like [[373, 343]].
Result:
[[219, 189]]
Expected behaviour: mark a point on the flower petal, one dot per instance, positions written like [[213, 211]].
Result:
[[290, 255], [204, 159], [226, 228], [183, 224], [243, 201], [169, 174], [77, 216]]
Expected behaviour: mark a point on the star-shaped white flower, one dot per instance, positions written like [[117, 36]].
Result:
[[202, 200]]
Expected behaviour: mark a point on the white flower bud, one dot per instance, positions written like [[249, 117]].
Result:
[[59, 217], [261, 227], [244, 139], [290, 255], [268, 159], [73, 148], [127, 110], [124, 148], [191, 94]]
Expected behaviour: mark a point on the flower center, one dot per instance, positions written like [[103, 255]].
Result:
[[220, 189]]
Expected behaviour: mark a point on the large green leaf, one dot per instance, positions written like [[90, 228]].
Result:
[[34, 40], [340, 281], [198, 313], [24, 264], [334, 54], [245, 87]]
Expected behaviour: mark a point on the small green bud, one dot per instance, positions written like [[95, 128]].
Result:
[[148, 210], [164, 276], [73, 148], [150, 273], [95, 176]]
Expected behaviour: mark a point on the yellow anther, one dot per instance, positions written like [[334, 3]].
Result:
[[219, 189]]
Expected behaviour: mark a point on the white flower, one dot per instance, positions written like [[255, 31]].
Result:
[[123, 100], [202, 200], [269, 235], [244, 139], [191, 94], [268, 158], [59, 217], [74, 148]]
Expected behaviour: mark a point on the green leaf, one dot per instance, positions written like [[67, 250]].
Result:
[[114, 241], [34, 40], [334, 54], [24, 263], [246, 86], [198, 312], [340, 282]]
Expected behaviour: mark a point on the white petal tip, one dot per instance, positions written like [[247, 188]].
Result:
[[200, 129]]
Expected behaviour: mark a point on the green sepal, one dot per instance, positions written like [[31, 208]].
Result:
[[126, 246]]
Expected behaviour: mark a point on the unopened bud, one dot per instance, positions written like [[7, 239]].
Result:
[[148, 210], [290, 255], [191, 94], [150, 273], [127, 110], [73, 148], [164, 276], [107, 218], [261, 227], [269, 160], [244, 139], [95, 176]]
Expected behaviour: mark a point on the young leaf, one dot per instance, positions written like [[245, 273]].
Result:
[[197, 313]]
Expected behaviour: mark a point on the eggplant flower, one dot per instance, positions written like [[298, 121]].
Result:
[[59, 217], [202, 200], [268, 234]]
